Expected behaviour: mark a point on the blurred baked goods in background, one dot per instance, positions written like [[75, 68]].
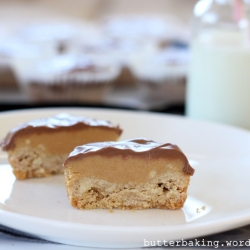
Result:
[[140, 46], [162, 75], [118, 49], [14, 50], [67, 78]]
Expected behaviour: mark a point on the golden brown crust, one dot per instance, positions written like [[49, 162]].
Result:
[[167, 191]]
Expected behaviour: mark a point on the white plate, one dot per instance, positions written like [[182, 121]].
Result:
[[218, 194]]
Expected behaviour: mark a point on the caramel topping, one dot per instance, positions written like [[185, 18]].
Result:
[[59, 122], [137, 148]]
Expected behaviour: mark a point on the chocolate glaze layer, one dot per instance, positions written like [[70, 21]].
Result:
[[60, 122], [136, 147]]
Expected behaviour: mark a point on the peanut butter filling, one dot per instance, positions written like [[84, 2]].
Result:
[[119, 170], [63, 142]]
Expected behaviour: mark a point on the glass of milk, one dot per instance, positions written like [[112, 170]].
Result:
[[218, 87]]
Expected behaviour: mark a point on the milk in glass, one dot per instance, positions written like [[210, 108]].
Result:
[[218, 86]]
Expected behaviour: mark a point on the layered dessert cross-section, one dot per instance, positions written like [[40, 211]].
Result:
[[131, 174], [38, 148]]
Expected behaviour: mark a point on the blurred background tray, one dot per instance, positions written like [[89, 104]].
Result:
[[148, 40]]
